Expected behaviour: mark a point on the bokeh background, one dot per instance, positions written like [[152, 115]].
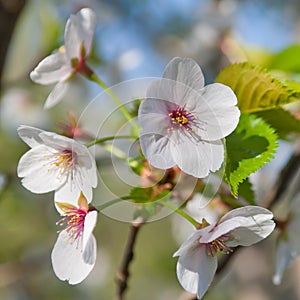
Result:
[[134, 38]]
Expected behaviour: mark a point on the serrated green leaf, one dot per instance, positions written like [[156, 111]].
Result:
[[246, 191], [281, 120], [255, 88], [249, 147]]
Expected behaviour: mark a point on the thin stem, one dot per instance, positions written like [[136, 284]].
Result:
[[123, 273], [180, 212], [112, 202], [125, 112], [108, 138], [115, 151]]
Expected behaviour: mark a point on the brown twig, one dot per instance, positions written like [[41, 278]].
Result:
[[9, 12], [123, 273]]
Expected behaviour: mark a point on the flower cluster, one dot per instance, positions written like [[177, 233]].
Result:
[[62, 164], [183, 127]]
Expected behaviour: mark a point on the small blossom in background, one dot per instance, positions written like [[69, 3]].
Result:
[[17, 107], [70, 59], [74, 253], [288, 243], [197, 261], [183, 122], [56, 163], [72, 129]]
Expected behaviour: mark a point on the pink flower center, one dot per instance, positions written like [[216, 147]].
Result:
[[64, 161], [219, 245], [180, 118], [73, 219]]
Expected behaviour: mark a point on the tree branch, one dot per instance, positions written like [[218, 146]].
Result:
[[123, 273], [9, 12]]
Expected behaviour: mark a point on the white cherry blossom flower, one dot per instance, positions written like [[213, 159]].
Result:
[[197, 261], [74, 253], [56, 163], [288, 243], [183, 122], [70, 59]]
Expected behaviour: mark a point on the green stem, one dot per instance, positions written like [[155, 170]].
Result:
[[180, 212], [166, 204], [115, 151], [112, 202], [108, 138], [125, 112]]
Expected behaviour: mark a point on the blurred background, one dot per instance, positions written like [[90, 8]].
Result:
[[134, 38]]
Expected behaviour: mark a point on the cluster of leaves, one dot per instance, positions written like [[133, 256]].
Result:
[[263, 121]]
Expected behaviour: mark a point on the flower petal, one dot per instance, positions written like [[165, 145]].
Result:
[[30, 135], [198, 158], [67, 260], [51, 69], [157, 149], [255, 224], [67, 193], [217, 112], [56, 141], [196, 270], [248, 212], [80, 29], [57, 94], [39, 175], [90, 251], [248, 225], [89, 225], [173, 92], [246, 236], [186, 71], [153, 116], [87, 165]]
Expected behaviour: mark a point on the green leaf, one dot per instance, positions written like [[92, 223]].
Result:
[[281, 120], [246, 191], [255, 88], [249, 147], [147, 195], [287, 60]]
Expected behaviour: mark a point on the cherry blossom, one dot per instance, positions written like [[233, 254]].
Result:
[[183, 122], [56, 163], [74, 253], [63, 64], [197, 261]]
